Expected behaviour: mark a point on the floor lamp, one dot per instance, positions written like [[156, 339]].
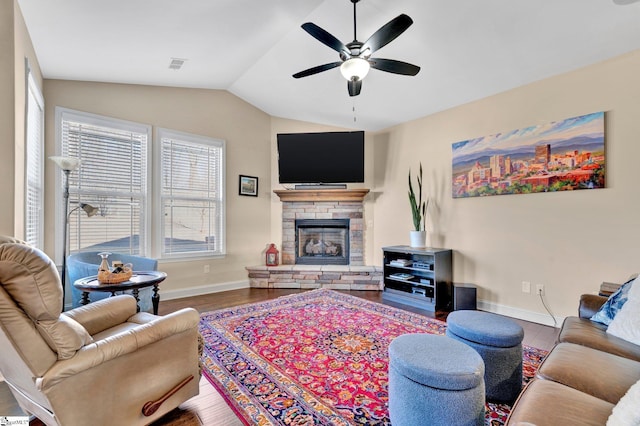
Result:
[[68, 164]]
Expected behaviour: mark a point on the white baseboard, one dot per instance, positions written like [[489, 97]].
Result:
[[537, 317], [205, 289]]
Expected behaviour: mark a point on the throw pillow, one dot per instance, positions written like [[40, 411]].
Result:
[[613, 304], [627, 410], [626, 324]]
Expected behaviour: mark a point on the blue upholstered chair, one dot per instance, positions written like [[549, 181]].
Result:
[[81, 265]]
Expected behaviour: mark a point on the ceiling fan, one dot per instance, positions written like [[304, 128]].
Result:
[[355, 57]]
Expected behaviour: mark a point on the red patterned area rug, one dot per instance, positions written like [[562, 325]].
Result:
[[314, 358]]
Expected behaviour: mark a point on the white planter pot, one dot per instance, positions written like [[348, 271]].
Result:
[[418, 238]]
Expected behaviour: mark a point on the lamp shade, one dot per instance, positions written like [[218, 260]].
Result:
[[66, 163], [89, 209], [355, 69]]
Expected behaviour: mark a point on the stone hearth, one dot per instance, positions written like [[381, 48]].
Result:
[[335, 277]]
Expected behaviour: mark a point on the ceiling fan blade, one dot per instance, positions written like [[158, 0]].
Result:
[[354, 87], [324, 37], [387, 33], [393, 66], [316, 70]]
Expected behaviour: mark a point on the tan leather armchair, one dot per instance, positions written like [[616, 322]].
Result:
[[100, 364]]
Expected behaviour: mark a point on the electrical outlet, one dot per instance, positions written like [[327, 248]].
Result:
[[526, 287], [540, 289], [206, 269]]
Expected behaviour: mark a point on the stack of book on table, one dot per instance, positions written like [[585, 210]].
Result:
[[401, 276], [401, 262]]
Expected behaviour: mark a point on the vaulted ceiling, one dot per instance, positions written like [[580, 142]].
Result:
[[467, 49]]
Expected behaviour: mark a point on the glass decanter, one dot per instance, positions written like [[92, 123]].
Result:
[[104, 265]]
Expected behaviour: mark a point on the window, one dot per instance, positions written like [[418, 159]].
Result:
[[113, 176], [34, 149], [191, 194]]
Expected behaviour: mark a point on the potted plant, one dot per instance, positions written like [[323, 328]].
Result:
[[418, 210]]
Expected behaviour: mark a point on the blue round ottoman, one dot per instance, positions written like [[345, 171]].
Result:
[[435, 381], [498, 340]]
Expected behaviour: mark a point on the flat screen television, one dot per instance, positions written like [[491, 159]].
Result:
[[317, 158]]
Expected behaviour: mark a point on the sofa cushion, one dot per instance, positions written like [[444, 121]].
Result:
[[547, 403], [614, 303], [609, 383], [594, 335], [627, 410]]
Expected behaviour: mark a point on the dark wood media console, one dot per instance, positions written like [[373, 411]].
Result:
[[420, 277]]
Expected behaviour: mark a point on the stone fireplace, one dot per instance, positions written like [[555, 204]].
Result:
[[329, 252], [325, 206]]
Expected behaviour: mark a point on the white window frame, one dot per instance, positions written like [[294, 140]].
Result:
[[160, 134], [33, 165], [100, 120]]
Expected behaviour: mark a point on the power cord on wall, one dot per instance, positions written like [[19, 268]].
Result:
[[555, 323]]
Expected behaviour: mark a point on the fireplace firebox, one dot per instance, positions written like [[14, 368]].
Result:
[[322, 241]]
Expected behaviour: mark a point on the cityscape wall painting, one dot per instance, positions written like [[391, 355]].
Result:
[[558, 156]]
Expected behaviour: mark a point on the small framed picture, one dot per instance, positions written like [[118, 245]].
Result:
[[248, 186]]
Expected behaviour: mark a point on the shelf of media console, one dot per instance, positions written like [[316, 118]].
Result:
[[428, 270], [411, 281], [417, 298]]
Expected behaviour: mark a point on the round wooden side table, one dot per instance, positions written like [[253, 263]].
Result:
[[137, 281]]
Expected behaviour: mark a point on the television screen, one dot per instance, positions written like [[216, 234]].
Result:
[[330, 157]]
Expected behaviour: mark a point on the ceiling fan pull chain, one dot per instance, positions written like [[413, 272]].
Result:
[[353, 108]]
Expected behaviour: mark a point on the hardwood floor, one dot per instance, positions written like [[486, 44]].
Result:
[[209, 406]]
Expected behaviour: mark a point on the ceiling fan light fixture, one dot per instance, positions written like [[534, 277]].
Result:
[[355, 69]]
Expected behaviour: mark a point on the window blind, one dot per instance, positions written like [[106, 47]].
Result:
[[34, 164], [112, 176], [191, 194]]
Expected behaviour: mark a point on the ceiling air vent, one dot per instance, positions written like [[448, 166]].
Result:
[[176, 63]]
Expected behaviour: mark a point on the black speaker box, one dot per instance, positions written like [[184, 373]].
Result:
[[464, 297]]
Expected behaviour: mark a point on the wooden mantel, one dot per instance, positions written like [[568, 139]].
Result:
[[357, 194]]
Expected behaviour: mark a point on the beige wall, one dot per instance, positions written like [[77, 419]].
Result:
[[7, 117], [212, 113], [23, 49], [15, 46], [570, 242]]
